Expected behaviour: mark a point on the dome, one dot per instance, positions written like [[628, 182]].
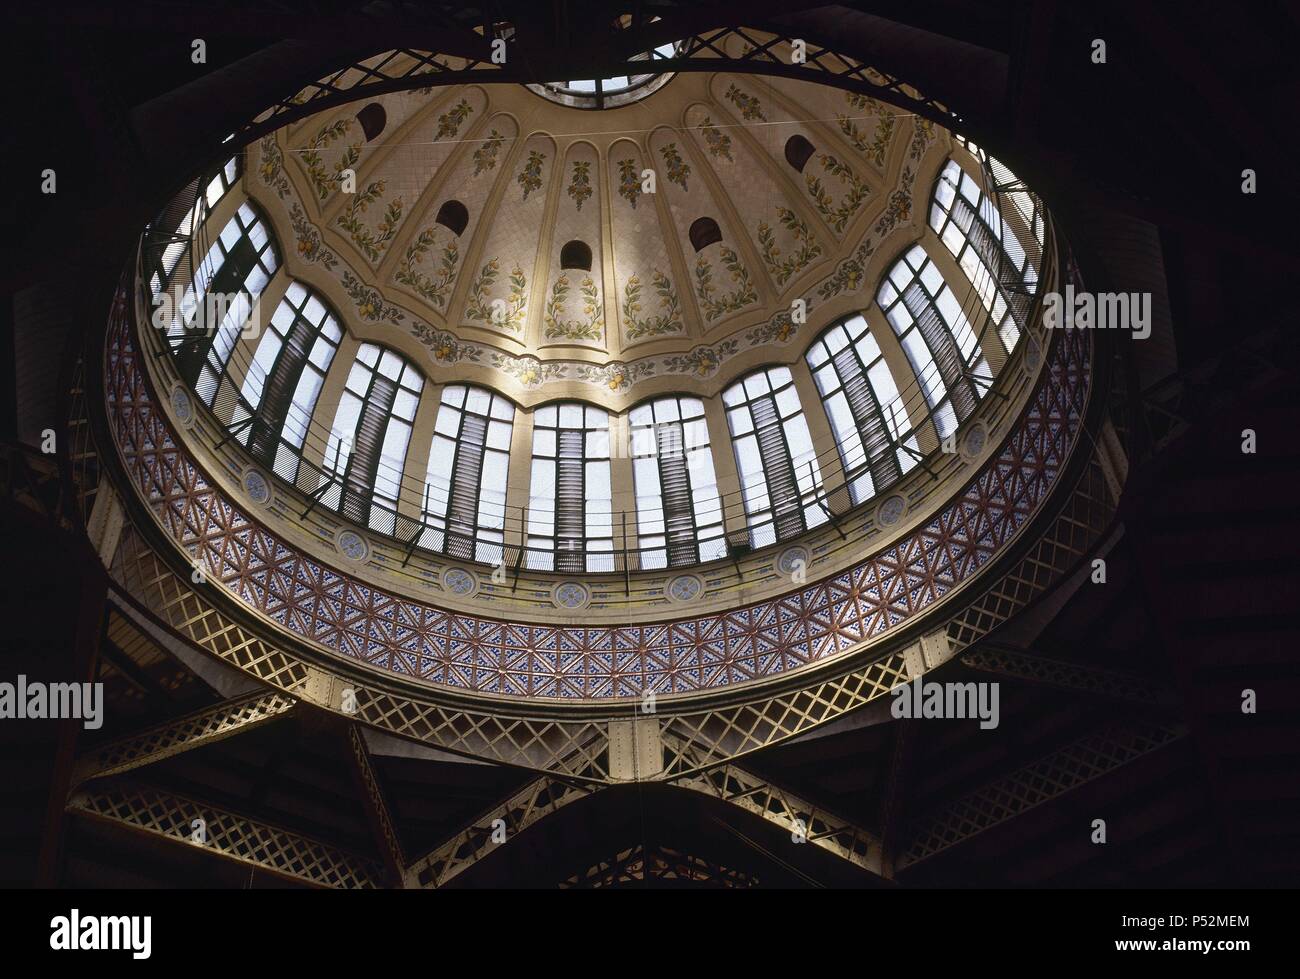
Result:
[[492, 354], [607, 445]]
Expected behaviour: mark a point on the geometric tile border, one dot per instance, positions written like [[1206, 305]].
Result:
[[471, 653]]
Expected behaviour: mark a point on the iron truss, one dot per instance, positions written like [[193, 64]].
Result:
[[696, 750], [226, 834], [577, 748], [791, 813], [693, 749], [1019, 665], [166, 740], [403, 69], [658, 862], [498, 826], [1082, 761]]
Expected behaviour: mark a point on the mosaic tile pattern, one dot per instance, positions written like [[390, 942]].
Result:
[[824, 619]]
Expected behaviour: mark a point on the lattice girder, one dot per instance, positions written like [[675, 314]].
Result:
[[403, 69], [663, 863], [1114, 684], [536, 800], [377, 810], [1081, 761], [183, 734], [225, 834], [782, 808]]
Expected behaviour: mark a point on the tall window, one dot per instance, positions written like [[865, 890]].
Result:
[[937, 338], [169, 252], [368, 440], [219, 299], [779, 475], [986, 247], [570, 502], [465, 488], [285, 379], [679, 514], [863, 404]]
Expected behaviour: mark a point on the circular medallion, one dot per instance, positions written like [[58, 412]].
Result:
[[352, 545], [256, 486], [570, 595], [1033, 357], [182, 406], [892, 509], [793, 560], [460, 582], [684, 588], [974, 441]]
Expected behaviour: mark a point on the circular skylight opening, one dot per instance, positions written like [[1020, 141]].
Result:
[[609, 93]]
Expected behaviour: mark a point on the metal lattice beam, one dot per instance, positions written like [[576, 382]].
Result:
[[790, 812], [226, 834], [559, 746], [183, 734], [535, 801], [894, 800], [404, 69], [660, 863], [377, 811], [1046, 779], [706, 739], [82, 466], [1081, 523], [1114, 684]]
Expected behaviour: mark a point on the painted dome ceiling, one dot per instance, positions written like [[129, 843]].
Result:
[[475, 245], [533, 244]]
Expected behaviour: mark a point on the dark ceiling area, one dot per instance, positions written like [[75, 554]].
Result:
[[1120, 700]]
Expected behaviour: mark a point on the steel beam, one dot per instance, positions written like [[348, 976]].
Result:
[[1113, 684], [183, 734], [1042, 781], [659, 863], [802, 819], [232, 836], [496, 827], [377, 812]]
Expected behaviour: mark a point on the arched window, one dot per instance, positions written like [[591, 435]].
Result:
[[453, 215], [165, 255], [570, 501], [798, 151], [679, 514], [367, 446], [576, 255], [219, 298], [285, 379], [779, 476], [936, 336], [465, 488], [704, 232], [864, 407], [989, 251], [373, 119]]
